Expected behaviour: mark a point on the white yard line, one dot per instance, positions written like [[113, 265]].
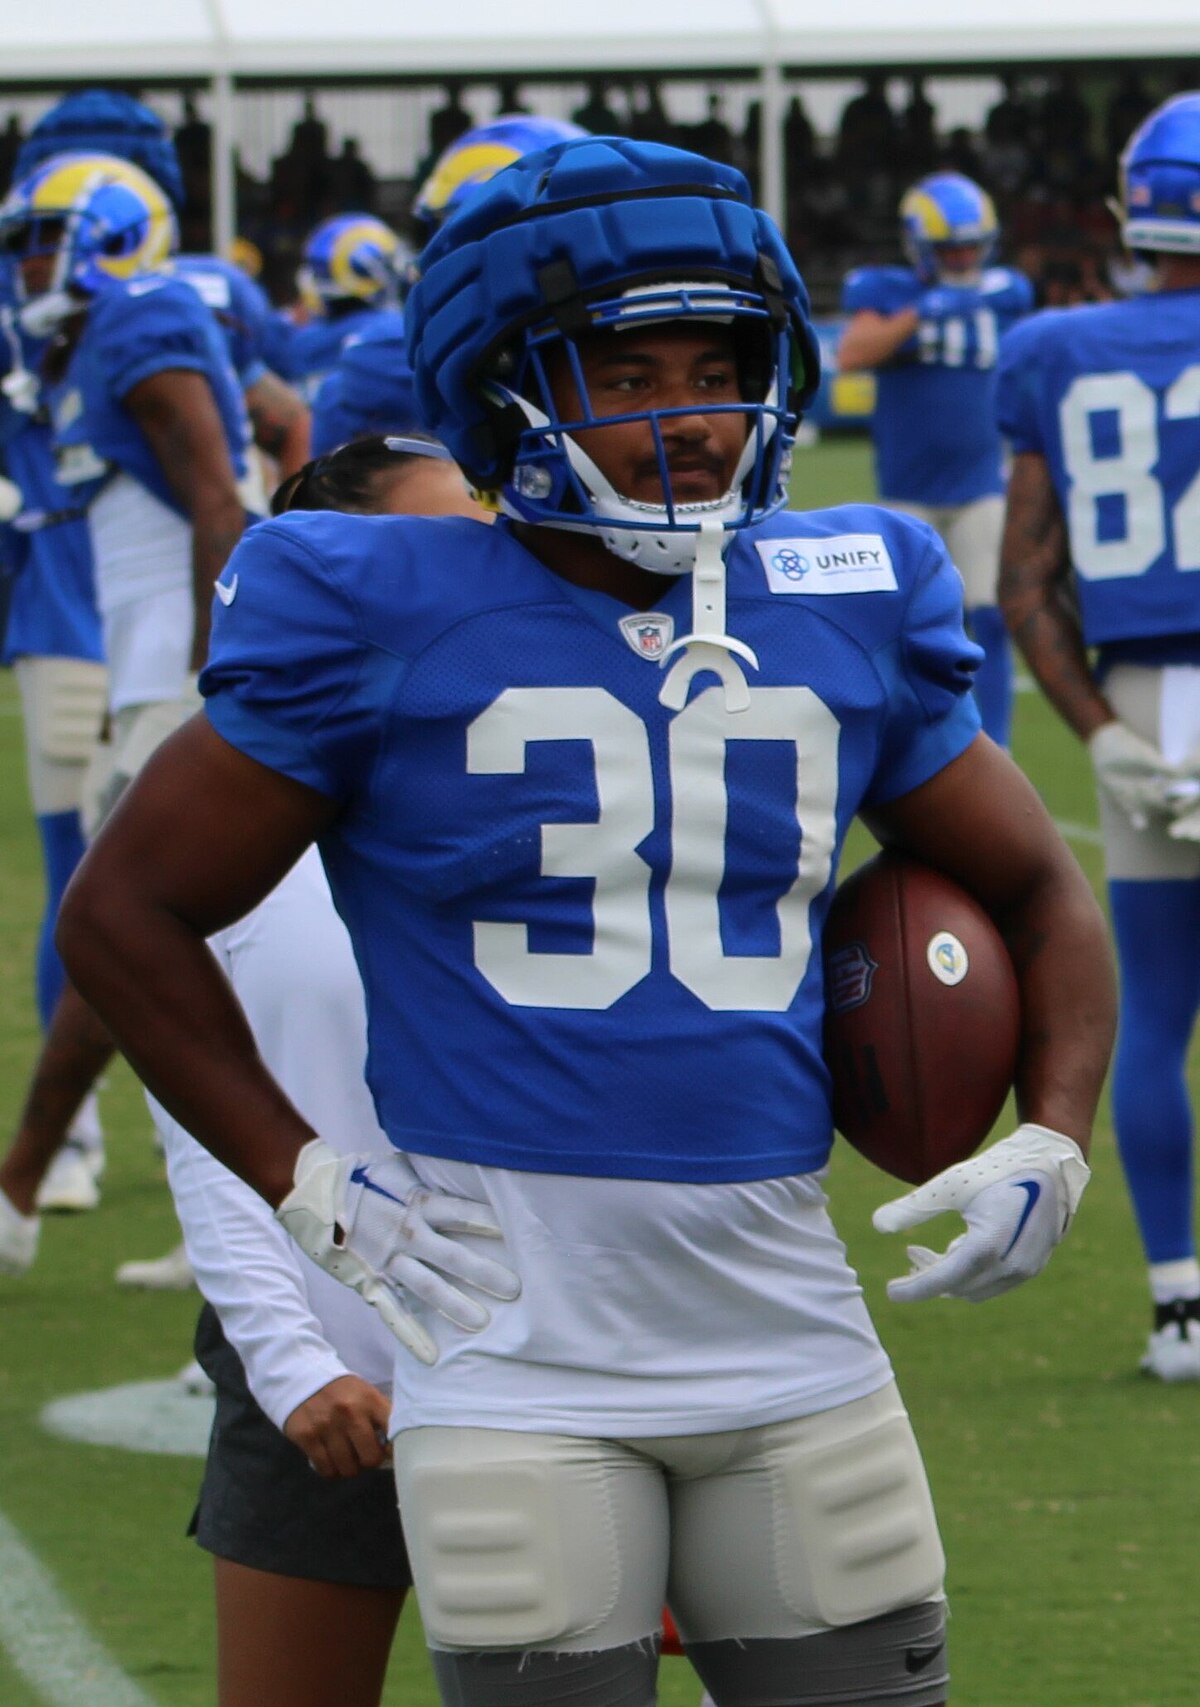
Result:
[[1089, 833], [48, 1643]]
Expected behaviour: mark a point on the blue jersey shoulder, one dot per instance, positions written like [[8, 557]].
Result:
[[885, 290]]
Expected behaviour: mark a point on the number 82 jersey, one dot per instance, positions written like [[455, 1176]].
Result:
[[587, 926], [1109, 394]]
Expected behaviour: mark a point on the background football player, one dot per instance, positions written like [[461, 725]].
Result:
[[149, 428], [352, 267], [931, 332], [586, 897], [1101, 545]]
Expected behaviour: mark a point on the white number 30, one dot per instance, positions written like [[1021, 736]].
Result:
[[606, 848]]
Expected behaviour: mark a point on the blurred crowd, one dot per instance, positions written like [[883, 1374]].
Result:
[[1047, 152]]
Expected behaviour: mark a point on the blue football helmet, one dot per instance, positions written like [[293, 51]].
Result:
[[104, 121], [1160, 180], [475, 157], [948, 211], [596, 235], [352, 257], [100, 218]]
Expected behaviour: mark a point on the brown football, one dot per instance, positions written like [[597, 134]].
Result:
[[922, 1017]]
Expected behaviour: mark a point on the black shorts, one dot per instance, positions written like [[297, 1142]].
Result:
[[263, 1505]]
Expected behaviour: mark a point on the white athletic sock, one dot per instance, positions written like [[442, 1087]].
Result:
[[1169, 1280]]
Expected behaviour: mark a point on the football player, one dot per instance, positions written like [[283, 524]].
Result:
[[149, 432], [931, 331], [1101, 545], [580, 783], [370, 389], [352, 267]]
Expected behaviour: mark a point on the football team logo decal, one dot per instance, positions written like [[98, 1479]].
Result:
[[648, 632], [947, 958], [849, 972]]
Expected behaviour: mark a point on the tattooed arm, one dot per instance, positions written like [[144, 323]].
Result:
[[1036, 597], [281, 422]]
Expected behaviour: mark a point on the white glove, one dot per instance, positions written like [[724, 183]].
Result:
[[1017, 1199], [369, 1222], [1133, 773], [1185, 803]]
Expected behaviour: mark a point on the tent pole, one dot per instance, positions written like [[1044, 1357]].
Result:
[[772, 165], [224, 186]]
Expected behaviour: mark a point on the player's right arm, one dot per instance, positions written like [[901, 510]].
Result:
[[872, 339]]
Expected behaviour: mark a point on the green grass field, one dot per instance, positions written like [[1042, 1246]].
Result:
[[1068, 1485]]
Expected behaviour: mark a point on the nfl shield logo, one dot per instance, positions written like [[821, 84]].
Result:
[[849, 972], [648, 632]]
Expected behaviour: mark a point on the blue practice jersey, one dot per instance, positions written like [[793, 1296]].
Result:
[[370, 389], [52, 602], [47, 554], [588, 927], [305, 355], [238, 305], [934, 424], [134, 329], [1109, 394]]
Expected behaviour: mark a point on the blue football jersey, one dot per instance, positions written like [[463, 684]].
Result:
[[47, 555], [934, 423], [239, 306], [306, 354], [370, 390], [588, 927], [52, 603], [134, 329], [1109, 394]]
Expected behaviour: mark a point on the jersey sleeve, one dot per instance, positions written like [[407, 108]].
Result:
[[932, 715], [289, 679], [870, 288], [155, 331], [1018, 389]]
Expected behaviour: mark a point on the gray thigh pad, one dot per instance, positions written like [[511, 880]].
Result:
[[900, 1657], [610, 1677]]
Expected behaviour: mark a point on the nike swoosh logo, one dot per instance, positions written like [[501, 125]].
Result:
[[226, 594], [143, 287], [1033, 1191], [360, 1176], [916, 1659]]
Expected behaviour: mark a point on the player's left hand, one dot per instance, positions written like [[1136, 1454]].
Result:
[[342, 1428], [1017, 1199]]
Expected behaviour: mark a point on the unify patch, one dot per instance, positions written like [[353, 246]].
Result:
[[845, 563]]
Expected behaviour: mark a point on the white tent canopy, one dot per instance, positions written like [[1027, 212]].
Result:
[[221, 41], [294, 39]]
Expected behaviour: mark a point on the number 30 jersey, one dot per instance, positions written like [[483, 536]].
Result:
[[588, 928], [1109, 394]]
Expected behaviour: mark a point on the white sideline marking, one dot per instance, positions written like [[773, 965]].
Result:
[[1089, 833], [48, 1642], [140, 1416]]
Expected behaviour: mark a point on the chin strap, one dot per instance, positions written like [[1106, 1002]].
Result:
[[708, 647]]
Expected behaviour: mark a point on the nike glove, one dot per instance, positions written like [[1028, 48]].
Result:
[[369, 1222], [1017, 1199], [1132, 773]]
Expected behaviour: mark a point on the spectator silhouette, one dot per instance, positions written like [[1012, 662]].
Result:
[[447, 123], [11, 139], [597, 113], [352, 183]]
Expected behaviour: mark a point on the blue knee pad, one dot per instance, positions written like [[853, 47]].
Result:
[[994, 678], [62, 848], [1157, 929]]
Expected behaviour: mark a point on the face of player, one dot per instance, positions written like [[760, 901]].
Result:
[[959, 262], [425, 486], [675, 365]]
